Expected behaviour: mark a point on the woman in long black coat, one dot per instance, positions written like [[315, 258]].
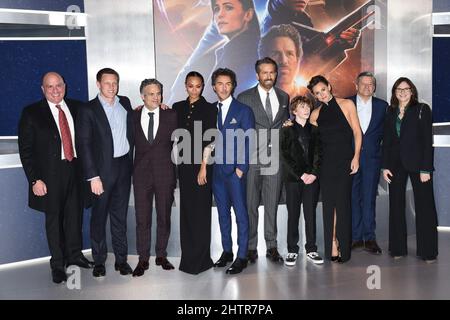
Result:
[[195, 178]]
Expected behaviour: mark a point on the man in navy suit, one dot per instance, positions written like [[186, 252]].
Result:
[[235, 122], [371, 112], [105, 141]]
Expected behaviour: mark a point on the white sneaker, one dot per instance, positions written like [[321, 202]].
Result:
[[314, 257], [291, 259]]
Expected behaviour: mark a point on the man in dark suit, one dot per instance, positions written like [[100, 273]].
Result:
[[371, 112], [154, 174], [236, 124], [49, 159], [105, 142], [270, 107]]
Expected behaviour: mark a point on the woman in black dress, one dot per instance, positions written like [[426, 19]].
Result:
[[195, 179], [341, 137], [408, 152]]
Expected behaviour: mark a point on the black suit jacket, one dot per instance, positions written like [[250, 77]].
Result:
[[294, 162], [414, 148], [94, 138], [40, 149]]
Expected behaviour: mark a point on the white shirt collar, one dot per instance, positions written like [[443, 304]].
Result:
[[359, 100], [263, 92], [146, 111], [226, 103]]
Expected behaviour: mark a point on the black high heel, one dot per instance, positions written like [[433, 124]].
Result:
[[336, 258]]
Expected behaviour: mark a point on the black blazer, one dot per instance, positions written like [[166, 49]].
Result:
[[203, 111], [40, 149], [94, 138], [294, 164], [414, 148]]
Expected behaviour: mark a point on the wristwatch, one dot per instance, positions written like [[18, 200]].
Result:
[[33, 182]]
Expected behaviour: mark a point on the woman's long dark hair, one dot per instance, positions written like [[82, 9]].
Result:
[[253, 25], [414, 95]]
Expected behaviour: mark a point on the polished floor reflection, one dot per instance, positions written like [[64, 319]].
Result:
[[406, 278]]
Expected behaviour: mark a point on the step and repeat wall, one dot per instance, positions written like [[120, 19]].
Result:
[[168, 38]]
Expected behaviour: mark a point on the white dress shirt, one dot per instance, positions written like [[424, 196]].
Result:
[[225, 107], [364, 112], [273, 100], [55, 114], [145, 120]]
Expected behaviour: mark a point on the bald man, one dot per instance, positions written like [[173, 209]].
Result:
[[49, 159]]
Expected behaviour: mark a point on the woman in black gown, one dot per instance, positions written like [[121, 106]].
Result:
[[341, 138], [195, 179]]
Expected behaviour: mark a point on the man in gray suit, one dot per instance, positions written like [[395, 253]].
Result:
[[270, 107]]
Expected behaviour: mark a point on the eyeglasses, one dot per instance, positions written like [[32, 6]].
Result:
[[402, 90]]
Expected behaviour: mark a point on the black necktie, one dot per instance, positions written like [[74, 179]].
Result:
[[219, 115], [150, 127]]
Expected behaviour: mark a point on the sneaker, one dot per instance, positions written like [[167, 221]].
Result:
[[314, 257], [291, 259]]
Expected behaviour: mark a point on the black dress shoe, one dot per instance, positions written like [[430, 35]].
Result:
[[140, 268], [82, 262], [99, 270], [124, 268], [252, 255], [224, 259], [371, 246], [164, 263], [359, 244], [238, 265], [273, 255], [59, 275]]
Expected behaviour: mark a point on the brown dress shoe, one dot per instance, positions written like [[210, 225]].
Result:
[[273, 255], [252, 255], [371, 246], [164, 263], [140, 268]]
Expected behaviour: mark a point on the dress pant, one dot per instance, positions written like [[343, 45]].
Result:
[[113, 202], [267, 187], [364, 194], [229, 191], [425, 212], [64, 216], [297, 193], [143, 195]]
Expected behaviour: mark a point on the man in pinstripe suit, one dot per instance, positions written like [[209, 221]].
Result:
[[270, 107]]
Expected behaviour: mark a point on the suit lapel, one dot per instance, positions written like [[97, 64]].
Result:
[[259, 105], [101, 116], [47, 116], [230, 114], [161, 126], [281, 108]]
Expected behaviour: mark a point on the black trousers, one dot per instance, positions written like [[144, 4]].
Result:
[[425, 211], [113, 201], [64, 216], [296, 194]]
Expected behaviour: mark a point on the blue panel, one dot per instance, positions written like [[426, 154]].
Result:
[[441, 83], [22, 230], [442, 185], [47, 5], [441, 6], [23, 64]]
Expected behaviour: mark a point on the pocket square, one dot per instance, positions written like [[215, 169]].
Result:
[[233, 121]]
